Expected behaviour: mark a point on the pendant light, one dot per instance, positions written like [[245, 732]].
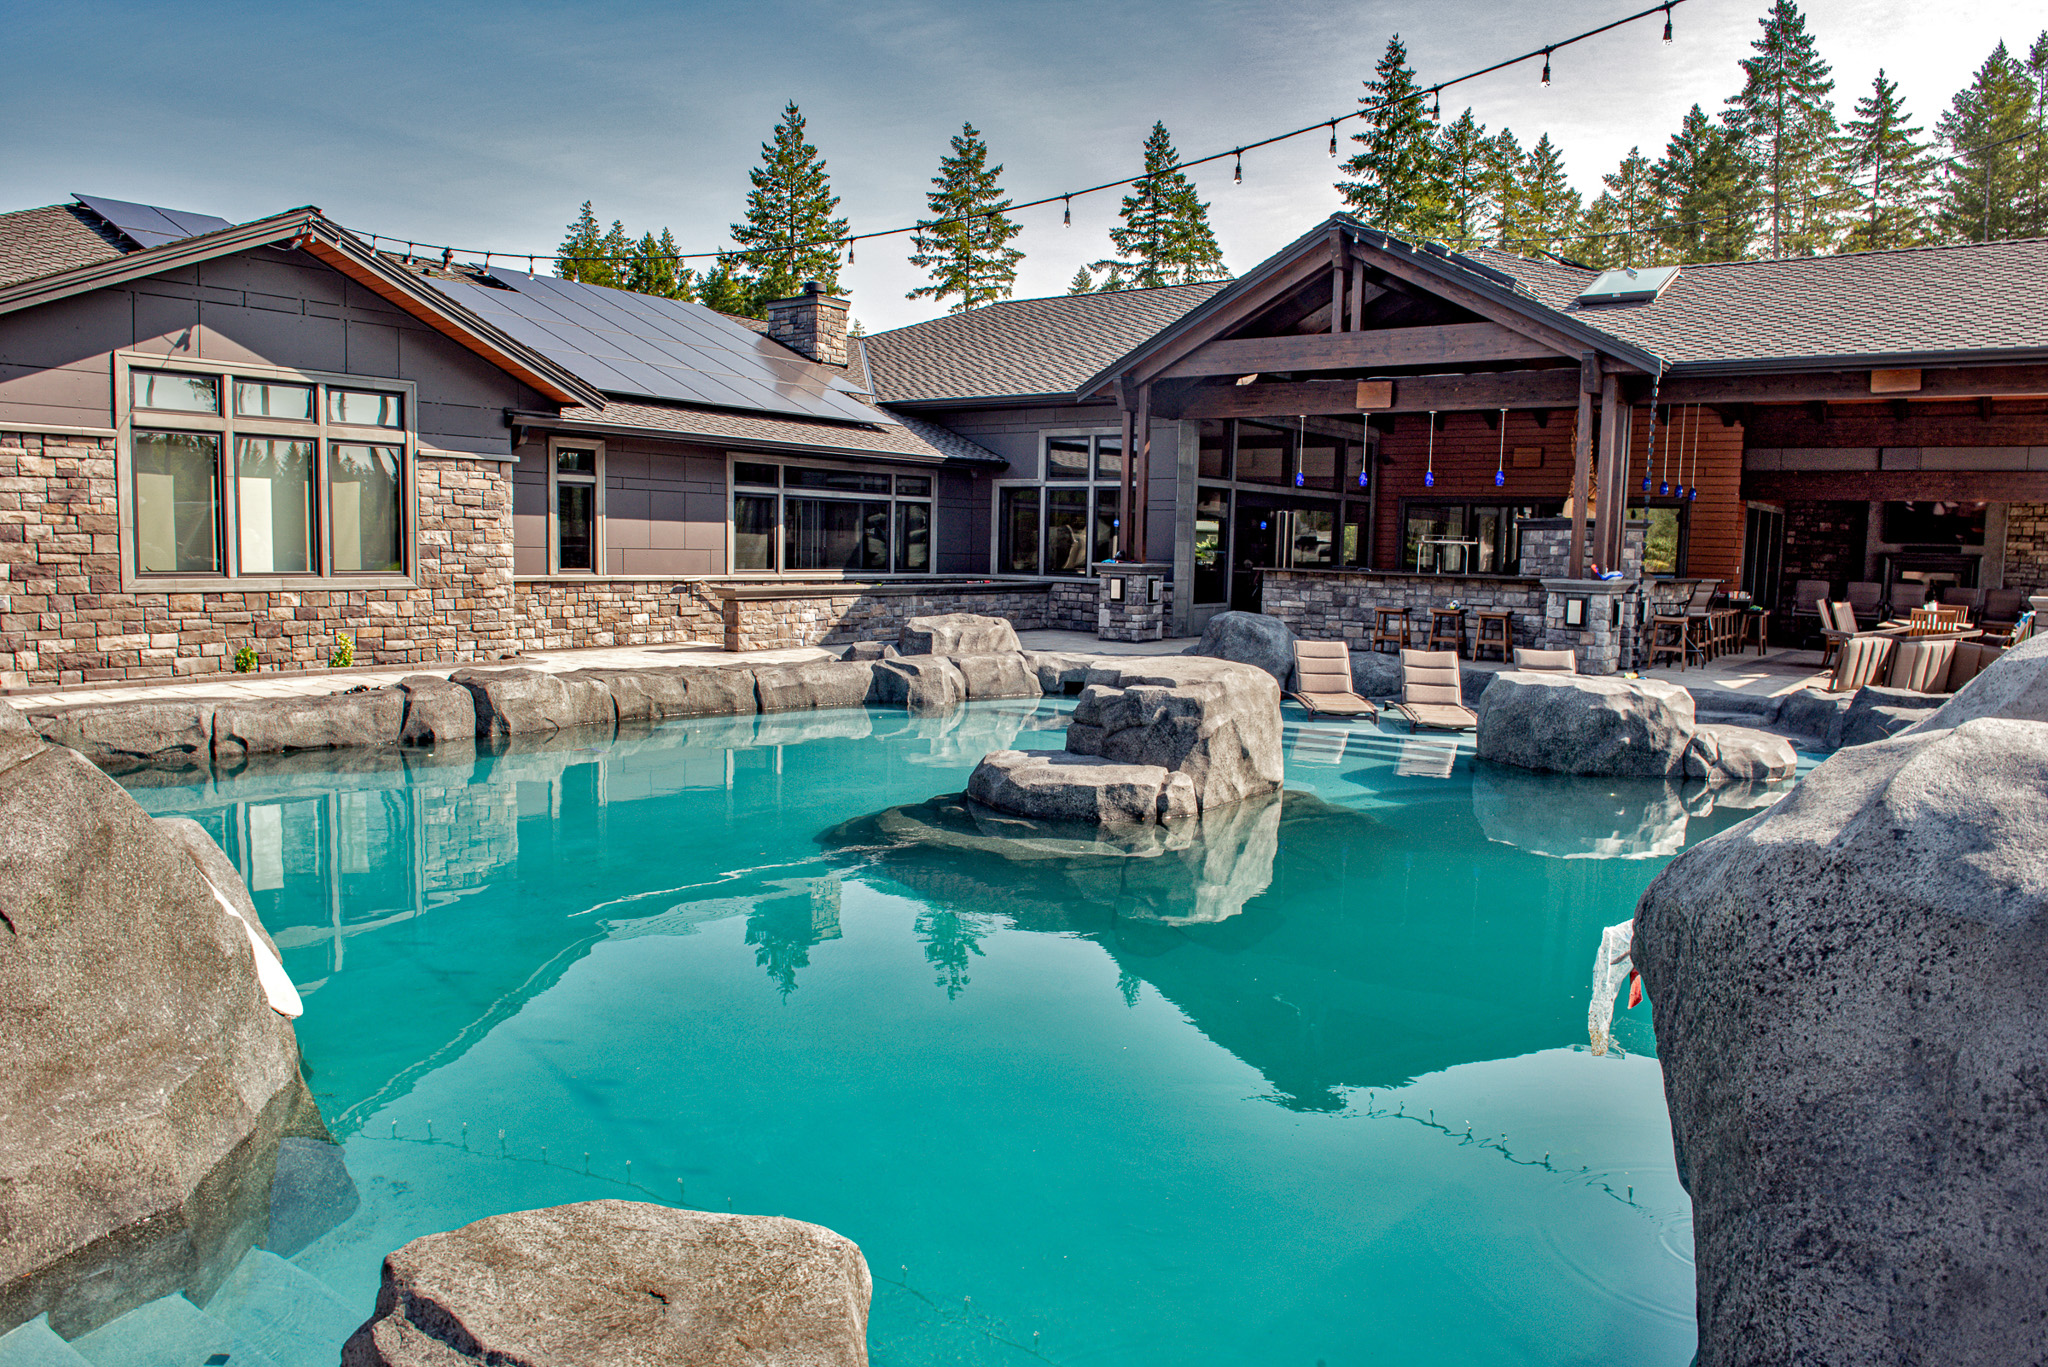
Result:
[[1238, 176], [1429, 467], [1333, 137], [1500, 463], [1067, 216], [1300, 441], [1546, 66], [1667, 23], [1664, 481]]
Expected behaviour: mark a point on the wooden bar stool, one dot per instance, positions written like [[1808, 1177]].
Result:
[[1447, 630], [1390, 627], [1668, 637], [1502, 640]]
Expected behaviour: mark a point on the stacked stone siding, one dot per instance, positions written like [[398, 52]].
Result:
[[825, 618], [1327, 605], [1134, 616], [1070, 605], [2026, 546], [65, 618], [575, 614]]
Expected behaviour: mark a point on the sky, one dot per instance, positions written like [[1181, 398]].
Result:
[[485, 123]]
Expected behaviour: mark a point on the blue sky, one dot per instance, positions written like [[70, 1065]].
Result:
[[486, 125]]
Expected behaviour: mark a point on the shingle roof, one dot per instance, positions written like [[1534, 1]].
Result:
[[39, 242], [1985, 298], [1022, 347], [911, 438]]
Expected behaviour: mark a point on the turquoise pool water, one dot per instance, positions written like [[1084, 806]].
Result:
[[1314, 1090]]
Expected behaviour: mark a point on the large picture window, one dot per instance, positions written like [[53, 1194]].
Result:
[[1466, 538], [249, 475], [1068, 521], [823, 520]]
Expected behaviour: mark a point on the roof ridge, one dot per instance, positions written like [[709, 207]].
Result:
[[1050, 299]]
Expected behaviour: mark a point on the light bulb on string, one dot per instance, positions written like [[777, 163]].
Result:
[[1333, 137], [1238, 176], [1067, 217], [1546, 66], [1437, 113], [849, 251], [1429, 467], [1667, 23], [1500, 462]]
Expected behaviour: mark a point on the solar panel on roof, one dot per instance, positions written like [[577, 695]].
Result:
[[148, 226], [646, 347], [1629, 285]]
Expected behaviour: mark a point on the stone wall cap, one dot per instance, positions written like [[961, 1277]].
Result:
[[1132, 567], [1591, 585]]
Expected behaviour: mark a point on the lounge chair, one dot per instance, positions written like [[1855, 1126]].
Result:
[[1866, 600], [1546, 661], [1864, 660], [1324, 684], [1837, 624], [1431, 694], [2002, 608]]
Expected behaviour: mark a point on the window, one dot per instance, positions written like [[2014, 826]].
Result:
[[1066, 458], [229, 474], [1466, 538], [1212, 555], [1212, 460], [1264, 454], [578, 477], [830, 520], [1066, 531], [274, 512], [1664, 538], [1070, 521], [1017, 531], [177, 495]]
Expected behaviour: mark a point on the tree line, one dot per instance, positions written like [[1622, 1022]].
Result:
[[1776, 172]]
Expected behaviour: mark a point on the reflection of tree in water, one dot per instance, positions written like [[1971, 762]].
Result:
[[949, 938], [783, 929], [1129, 984]]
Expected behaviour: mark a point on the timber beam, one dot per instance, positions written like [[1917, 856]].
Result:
[[1897, 486], [1848, 386], [1450, 344], [1557, 388]]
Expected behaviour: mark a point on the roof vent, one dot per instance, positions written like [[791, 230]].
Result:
[[1629, 285]]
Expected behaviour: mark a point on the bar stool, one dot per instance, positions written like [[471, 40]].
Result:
[[1668, 637], [1390, 626], [1502, 641], [1447, 629]]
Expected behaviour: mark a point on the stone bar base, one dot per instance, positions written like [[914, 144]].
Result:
[[1339, 605], [1132, 602], [1604, 641], [779, 616]]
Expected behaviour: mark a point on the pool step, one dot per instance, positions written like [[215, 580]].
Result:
[[36, 1344], [168, 1332], [284, 1312]]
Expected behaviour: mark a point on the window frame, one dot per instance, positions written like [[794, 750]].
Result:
[[782, 491], [228, 427], [1102, 491], [555, 481]]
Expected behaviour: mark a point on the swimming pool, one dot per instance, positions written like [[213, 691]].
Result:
[[1313, 1088]]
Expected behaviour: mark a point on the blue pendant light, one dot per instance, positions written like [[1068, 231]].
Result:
[[1429, 468]]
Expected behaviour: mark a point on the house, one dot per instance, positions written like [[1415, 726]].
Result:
[[267, 434]]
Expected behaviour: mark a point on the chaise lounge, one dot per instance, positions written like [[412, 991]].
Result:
[[1323, 669], [1431, 694]]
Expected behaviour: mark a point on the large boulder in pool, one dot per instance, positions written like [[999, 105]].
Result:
[[621, 1284], [1051, 785], [145, 1077], [1847, 997], [1586, 724], [526, 702], [1251, 638], [270, 726], [117, 736], [957, 633]]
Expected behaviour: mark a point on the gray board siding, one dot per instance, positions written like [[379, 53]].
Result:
[[263, 307]]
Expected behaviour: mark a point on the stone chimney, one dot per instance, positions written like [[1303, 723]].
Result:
[[813, 323]]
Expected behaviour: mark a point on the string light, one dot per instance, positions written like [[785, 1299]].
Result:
[[849, 251], [1333, 137], [1437, 95], [1237, 177], [1546, 66], [1429, 469], [1667, 23], [1500, 464], [1067, 215]]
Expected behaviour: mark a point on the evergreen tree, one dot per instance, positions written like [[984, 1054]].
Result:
[[654, 269], [1705, 192], [2037, 146], [1506, 174], [1551, 208], [582, 250], [1988, 126], [1888, 160], [963, 246], [1082, 283], [1165, 238], [1462, 163], [723, 292], [790, 235], [1113, 278], [1783, 123], [1399, 182], [615, 252], [1620, 227]]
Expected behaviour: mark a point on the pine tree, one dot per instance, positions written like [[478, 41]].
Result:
[[963, 246], [790, 235], [1165, 238], [1988, 126], [580, 255], [615, 251], [2037, 146], [1082, 283], [654, 269], [723, 292], [1706, 194], [1113, 278], [1620, 227], [1888, 161], [1550, 206], [1784, 124], [1462, 162], [1399, 185], [1506, 173]]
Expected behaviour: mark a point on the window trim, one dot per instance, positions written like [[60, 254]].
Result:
[[128, 419], [781, 492], [1097, 486], [597, 537]]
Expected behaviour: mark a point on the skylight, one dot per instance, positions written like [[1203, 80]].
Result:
[[1629, 285]]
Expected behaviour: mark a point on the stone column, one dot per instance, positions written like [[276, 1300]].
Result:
[[1603, 629], [1131, 602]]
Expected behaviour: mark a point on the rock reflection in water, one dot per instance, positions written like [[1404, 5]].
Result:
[[1190, 872], [1615, 818]]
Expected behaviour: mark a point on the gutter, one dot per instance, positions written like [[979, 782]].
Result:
[[556, 423]]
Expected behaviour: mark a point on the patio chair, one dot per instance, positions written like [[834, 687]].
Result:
[[1837, 624], [1923, 666], [1972, 600], [1806, 599], [1546, 661], [1325, 689], [1431, 694], [1905, 595], [1866, 600], [2001, 608], [1864, 660]]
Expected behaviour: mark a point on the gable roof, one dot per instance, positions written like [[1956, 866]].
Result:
[[307, 230], [39, 242], [1978, 301], [1021, 348]]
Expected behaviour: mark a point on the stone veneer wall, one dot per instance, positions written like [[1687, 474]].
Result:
[[1339, 604], [64, 617], [825, 618], [2026, 546], [575, 614], [1070, 605]]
